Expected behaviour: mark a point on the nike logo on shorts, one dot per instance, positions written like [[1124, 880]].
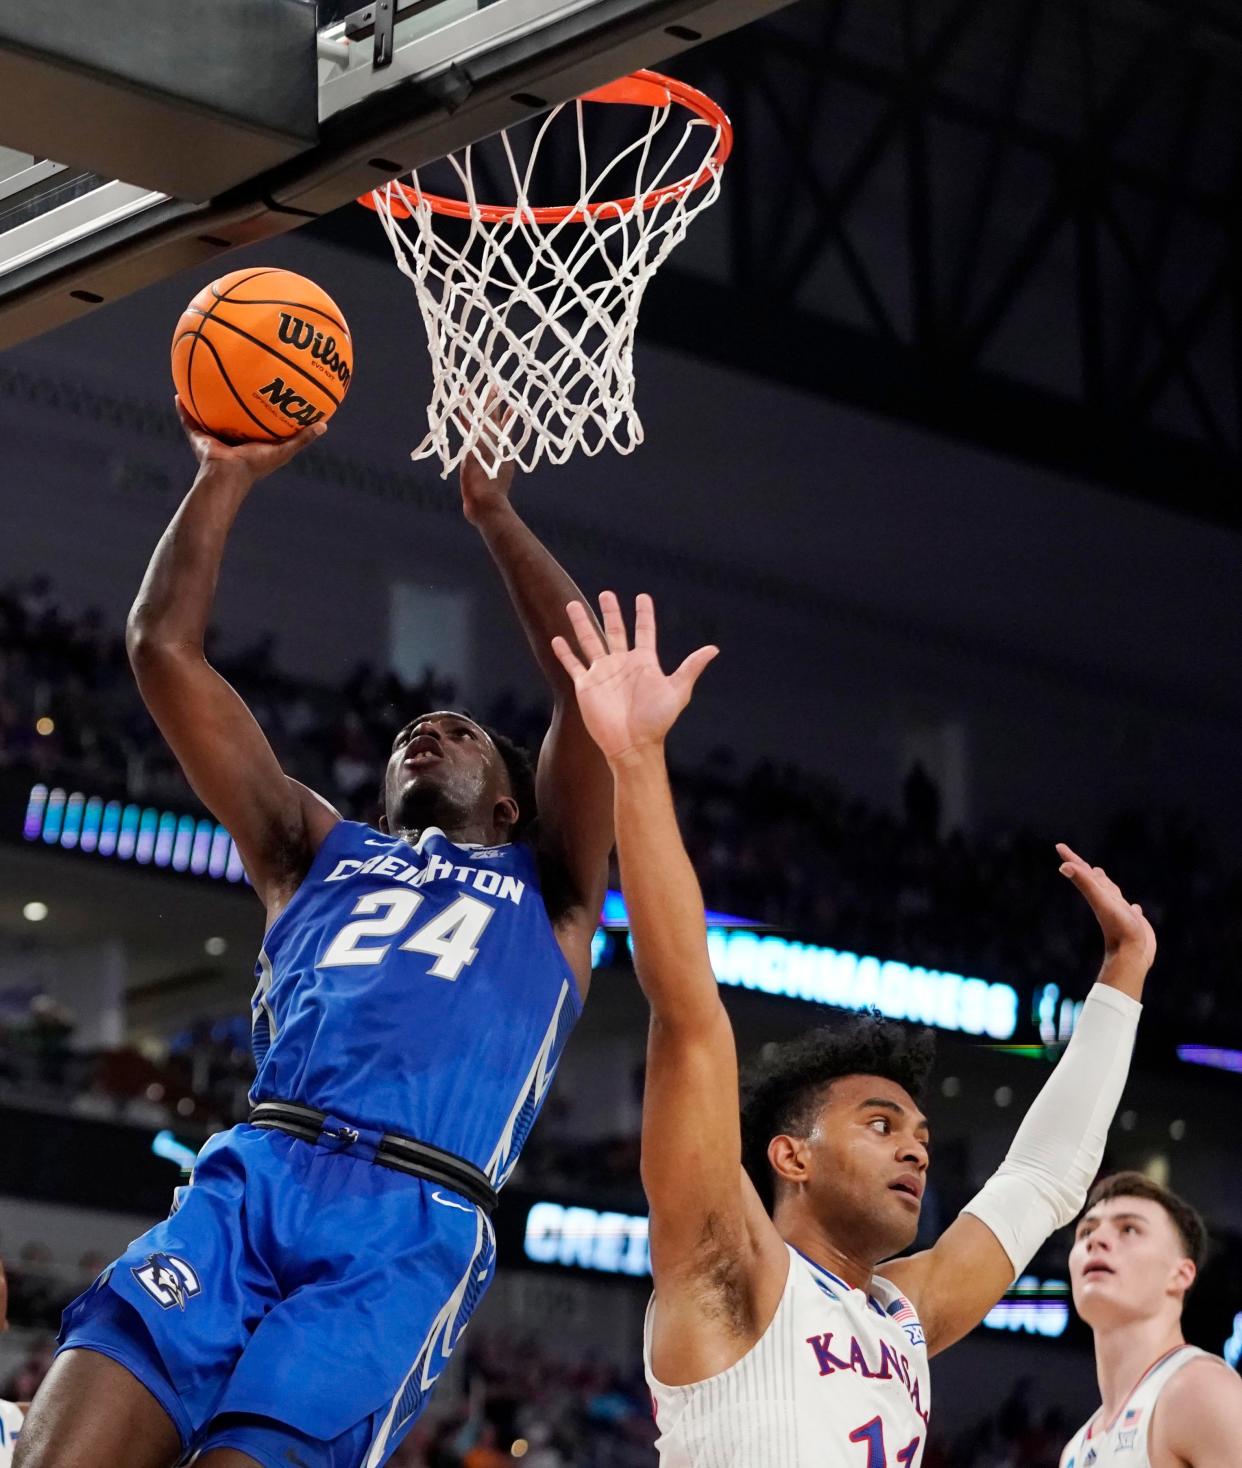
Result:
[[448, 1203]]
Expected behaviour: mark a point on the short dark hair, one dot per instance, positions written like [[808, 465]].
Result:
[[1188, 1222], [521, 768], [783, 1089]]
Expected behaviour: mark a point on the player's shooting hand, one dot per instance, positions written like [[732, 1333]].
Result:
[[627, 702], [255, 460], [1129, 939], [481, 491]]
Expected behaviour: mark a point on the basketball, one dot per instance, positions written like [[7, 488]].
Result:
[[261, 354]]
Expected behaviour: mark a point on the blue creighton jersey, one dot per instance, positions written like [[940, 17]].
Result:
[[417, 989]]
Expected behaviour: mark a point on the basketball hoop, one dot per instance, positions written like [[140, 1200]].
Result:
[[530, 313]]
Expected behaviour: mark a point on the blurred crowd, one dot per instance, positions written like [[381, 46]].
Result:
[[770, 842]]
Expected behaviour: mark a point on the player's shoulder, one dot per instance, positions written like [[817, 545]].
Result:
[[1205, 1380], [1200, 1408]]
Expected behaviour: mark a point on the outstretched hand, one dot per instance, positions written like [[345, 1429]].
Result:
[[256, 459], [1129, 939], [627, 702], [481, 491]]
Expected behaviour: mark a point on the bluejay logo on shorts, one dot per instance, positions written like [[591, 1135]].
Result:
[[168, 1280]]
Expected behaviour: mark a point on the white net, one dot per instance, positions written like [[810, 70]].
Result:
[[530, 321]]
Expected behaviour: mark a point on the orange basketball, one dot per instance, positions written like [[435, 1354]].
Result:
[[260, 354]]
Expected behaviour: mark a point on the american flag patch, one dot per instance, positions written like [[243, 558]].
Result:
[[902, 1311], [1132, 1416]]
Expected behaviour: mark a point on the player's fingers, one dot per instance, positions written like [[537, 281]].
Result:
[[189, 423], [1083, 878], [644, 622], [586, 631], [306, 437], [568, 659], [688, 674], [1067, 852], [614, 622]]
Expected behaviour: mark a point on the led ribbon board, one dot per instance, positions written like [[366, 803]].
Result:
[[1032, 1307], [774, 965], [583, 1238], [131, 832]]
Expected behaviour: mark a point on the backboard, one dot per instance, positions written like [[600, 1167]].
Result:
[[216, 123]]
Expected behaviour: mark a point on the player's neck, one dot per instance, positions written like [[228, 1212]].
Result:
[[809, 1237], [471, 834], [1125, 1351]]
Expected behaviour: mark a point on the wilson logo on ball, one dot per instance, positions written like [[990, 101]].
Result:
[[295, 332], [290, 403], [261, 353]]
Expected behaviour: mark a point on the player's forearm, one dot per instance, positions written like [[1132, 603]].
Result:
[[662, 894], [1043, 1181], [538, 585], [173, 606]]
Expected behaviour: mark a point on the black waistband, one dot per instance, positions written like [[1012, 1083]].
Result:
[[402, 1154]]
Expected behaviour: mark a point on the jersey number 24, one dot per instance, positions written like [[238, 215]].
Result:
[[451, 937]]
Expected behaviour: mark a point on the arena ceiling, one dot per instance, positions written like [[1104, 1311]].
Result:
[[1016, 222]]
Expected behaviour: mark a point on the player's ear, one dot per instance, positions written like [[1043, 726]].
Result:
[[1185, 1274], [505, 814], [382, 824], [788, 1158]]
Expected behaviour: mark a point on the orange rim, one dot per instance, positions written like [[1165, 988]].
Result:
[[640, 88]]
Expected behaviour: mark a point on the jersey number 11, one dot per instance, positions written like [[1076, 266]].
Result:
[[872, 1433]]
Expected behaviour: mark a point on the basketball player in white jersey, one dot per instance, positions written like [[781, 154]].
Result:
[[771, 1341], [1164, 1404], [12, 1414]]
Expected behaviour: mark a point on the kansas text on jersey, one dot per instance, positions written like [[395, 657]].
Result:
[[838, 1378]]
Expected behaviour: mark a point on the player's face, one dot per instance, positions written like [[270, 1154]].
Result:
[[444, 769], [869, 1156], [1127, 1262]]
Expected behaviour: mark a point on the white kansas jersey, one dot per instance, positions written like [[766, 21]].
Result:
[[10, 1429], [838, 1380], [1124, 1440]]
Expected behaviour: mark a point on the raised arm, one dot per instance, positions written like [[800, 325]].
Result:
[[716, 1257], [276, 823], [573, 786], [1043, 1182]]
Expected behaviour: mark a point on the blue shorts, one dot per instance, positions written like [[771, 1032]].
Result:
[[297, 1303]]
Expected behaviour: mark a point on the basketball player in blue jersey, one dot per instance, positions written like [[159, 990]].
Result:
[[773, 1336], [416, 985]]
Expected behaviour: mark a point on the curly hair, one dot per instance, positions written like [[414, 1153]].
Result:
[[521, 768], [783, 1089]]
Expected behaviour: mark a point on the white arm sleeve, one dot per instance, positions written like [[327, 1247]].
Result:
[[1043, 1181]]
